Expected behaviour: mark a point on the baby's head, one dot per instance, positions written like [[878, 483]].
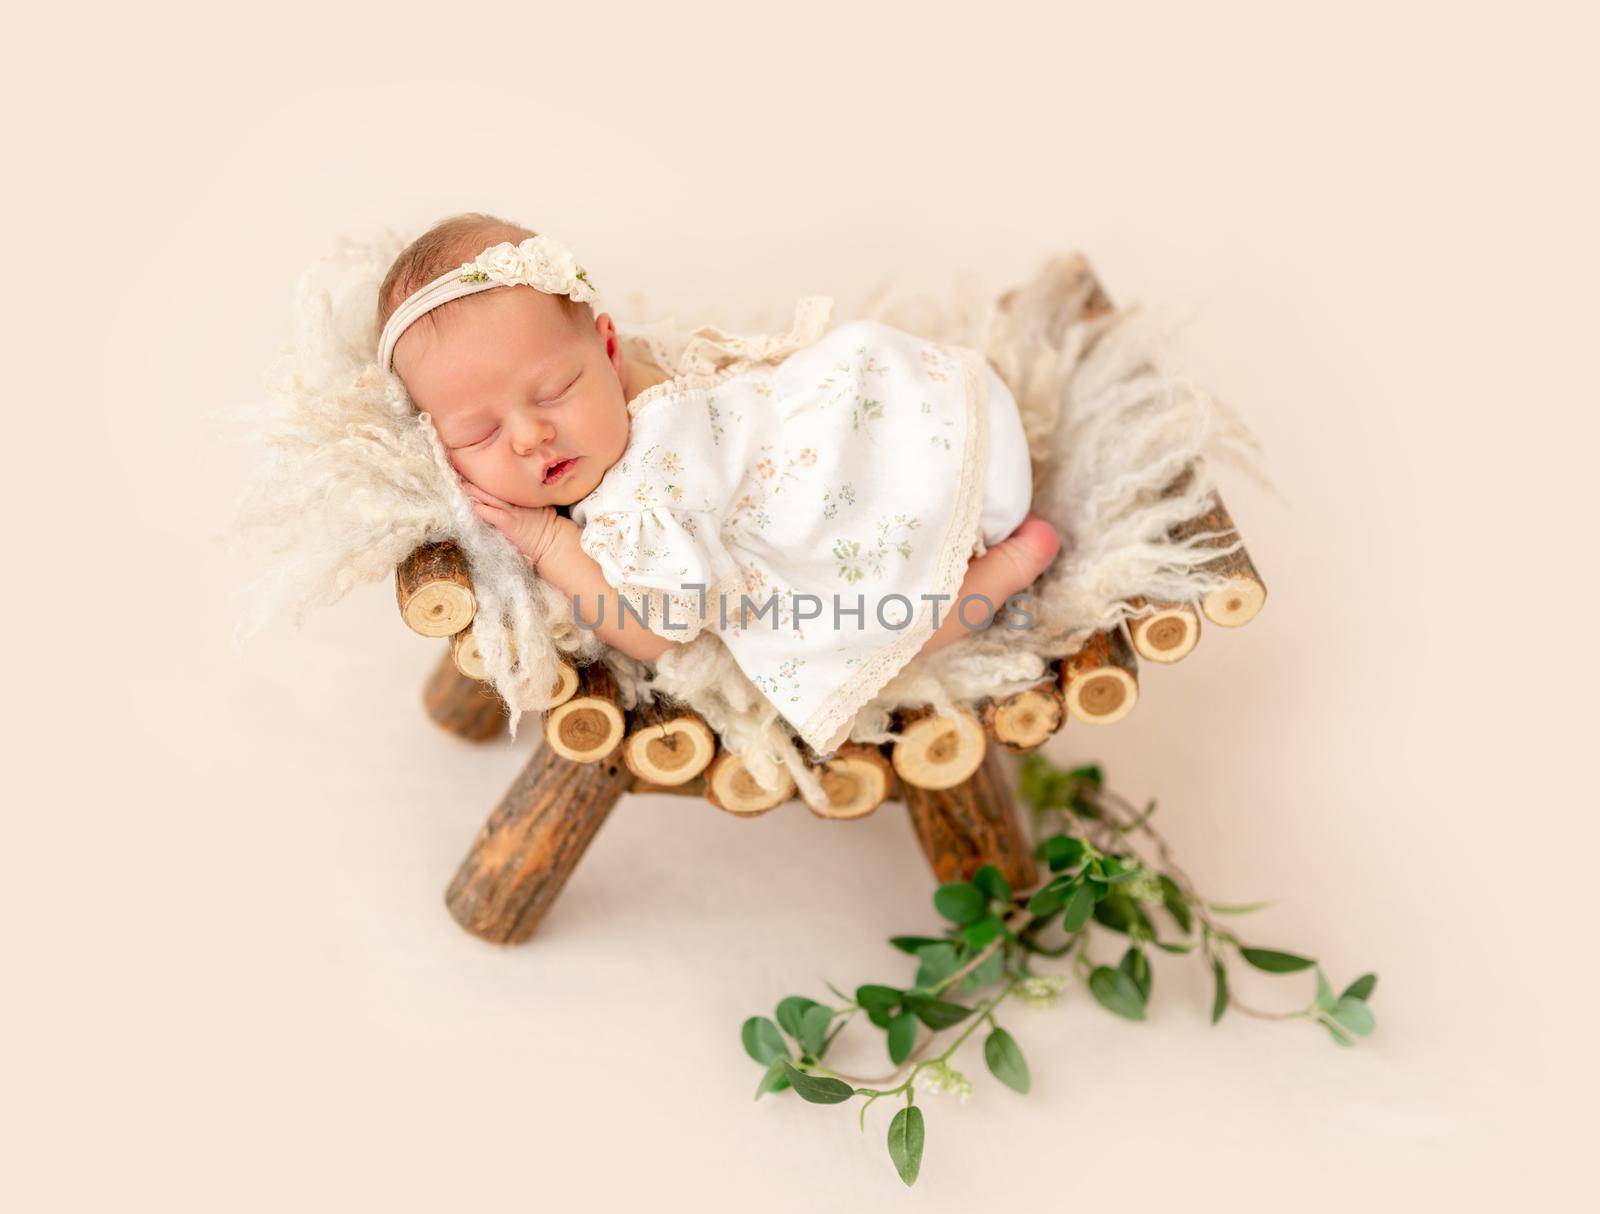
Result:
[[521, 384]]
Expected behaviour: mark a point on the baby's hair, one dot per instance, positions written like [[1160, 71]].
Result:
[[448, 244]]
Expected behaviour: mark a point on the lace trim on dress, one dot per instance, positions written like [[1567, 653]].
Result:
[[835, 715], [712, 355]]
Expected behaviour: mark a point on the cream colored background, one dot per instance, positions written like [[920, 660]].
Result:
[[232, 981]]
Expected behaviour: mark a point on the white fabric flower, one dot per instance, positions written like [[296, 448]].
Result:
[[503, 263], [540, 262], [551, 266]]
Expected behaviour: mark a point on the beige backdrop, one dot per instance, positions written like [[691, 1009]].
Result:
[[232, 982]]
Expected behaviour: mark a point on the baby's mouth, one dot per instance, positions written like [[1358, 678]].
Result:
[[559, 469]]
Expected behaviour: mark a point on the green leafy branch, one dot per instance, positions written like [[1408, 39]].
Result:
[[1110, 872]]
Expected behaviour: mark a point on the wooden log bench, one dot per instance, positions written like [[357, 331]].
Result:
[[946, 770]]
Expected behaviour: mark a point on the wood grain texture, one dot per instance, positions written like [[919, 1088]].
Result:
[[934, 751], [434, 590], [1101, 681], [532, 841], [588, 726], [1162, 632], [975, 823], [666, 743], [731, 788], [856, 780], [467, 708], [1022, 722], [1237, 603]]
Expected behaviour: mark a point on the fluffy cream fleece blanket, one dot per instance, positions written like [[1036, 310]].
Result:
[[350, 479]]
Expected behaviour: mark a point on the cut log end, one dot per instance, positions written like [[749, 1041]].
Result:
[[938, 752], [1022, 722], [1100, 682], [667, 746], [434, 591], [566, 685], [589, 726], [1168, 632], [439, 610], [731, 788], [856, 781], [464, 649], [1237, 603]]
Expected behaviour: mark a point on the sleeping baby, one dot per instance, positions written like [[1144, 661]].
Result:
[[830, 501]]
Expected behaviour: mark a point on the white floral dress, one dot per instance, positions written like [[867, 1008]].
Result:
[[809, 492]]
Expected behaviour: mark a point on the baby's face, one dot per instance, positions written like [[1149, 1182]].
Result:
[[520, 395]]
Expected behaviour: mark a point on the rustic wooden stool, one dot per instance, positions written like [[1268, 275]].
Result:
[[943, 768]]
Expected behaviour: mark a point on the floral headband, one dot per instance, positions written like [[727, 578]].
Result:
[[540, 262]]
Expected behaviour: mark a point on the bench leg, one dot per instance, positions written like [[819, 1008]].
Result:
[[533, 840], [975, 823]]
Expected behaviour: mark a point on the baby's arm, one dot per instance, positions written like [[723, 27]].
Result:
[[550, 542], [577, 574]]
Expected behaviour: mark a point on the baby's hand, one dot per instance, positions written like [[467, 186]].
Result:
[[531, 529]]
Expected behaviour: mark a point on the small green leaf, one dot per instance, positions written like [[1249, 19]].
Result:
[[789, 1012], [818, 1089], [1062, 852], [937, 1013], [1177, 905], [1122, 914], [1219, 1000], [1116, 992], [1048, 900], [1325, 999], [1137, 966], [1361, 988], [1237, 908], [992, 882], [1275, 962], [959, 901], [902, 1036], [1354, 1015], [912, 944], [939, 961], [981, 932], [1079, 908], [814, 1028], [906, 1138], [774, 1080], [877, 998], [1333, 1031], [1174, 946], [762, 1040], [1004, 1056]]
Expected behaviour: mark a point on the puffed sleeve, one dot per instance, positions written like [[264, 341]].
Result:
[[658, 558]]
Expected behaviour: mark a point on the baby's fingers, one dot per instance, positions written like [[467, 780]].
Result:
[[492, 515], [482, 495]]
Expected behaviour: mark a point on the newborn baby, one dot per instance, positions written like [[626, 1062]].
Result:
[[810, 504]]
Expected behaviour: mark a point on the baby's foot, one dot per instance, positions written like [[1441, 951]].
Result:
[[1029, 549]]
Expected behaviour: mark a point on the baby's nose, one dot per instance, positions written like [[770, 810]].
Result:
[[528, 436]]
